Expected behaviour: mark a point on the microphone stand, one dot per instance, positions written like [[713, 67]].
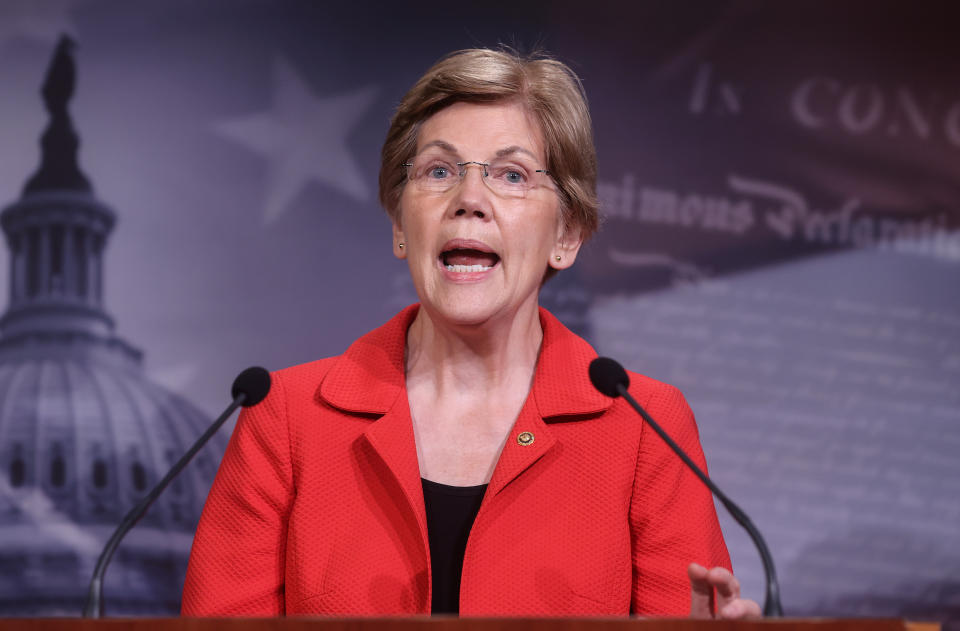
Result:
[[94, 604], [771, 602]]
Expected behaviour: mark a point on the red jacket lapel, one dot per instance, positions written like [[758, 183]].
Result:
[[368, 379]]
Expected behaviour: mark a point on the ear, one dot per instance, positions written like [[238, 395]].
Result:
[[398, 239], [565, 250]]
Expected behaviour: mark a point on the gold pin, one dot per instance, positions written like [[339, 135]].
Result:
[[525, 438]]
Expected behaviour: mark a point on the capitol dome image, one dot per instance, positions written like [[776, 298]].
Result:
[[84, 435]]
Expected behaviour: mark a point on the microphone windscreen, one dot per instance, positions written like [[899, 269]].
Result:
[[253, 382], [606, 374]]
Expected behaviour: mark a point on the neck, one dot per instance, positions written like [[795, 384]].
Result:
[[460, 359]]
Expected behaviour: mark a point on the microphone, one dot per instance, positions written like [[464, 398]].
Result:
[[249, 388], [609, 377]]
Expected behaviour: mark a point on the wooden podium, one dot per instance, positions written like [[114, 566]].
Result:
[[459, 624]]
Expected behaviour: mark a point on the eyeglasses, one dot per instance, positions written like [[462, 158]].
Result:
[[510, 176]]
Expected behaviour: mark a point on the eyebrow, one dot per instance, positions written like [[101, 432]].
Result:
[[515, 149], [446, 146], [443, 144]]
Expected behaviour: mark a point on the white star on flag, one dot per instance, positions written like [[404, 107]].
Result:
[[304, 139]]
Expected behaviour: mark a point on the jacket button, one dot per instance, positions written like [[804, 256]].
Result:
[[525, 438]]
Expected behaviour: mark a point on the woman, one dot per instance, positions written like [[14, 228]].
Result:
[[457, 459]]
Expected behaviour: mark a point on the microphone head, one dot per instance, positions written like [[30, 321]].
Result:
[[253, 382], [606, 374]]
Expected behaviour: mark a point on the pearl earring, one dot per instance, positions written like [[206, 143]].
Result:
[[558, 258], [400, 245]]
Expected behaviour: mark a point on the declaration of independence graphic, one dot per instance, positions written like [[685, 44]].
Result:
[[189, 188]]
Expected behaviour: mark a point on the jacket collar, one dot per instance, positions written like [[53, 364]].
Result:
[[369, 376]]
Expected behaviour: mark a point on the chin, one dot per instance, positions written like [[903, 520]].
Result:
[[472, 304], [462, 314], [461, 311], [471, 310]]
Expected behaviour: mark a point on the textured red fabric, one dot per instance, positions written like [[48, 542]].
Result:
[[318, 507]]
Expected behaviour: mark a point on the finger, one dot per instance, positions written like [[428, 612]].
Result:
[[733, 610], [726, 584], [701, 592], [697, 572], [741, 609]]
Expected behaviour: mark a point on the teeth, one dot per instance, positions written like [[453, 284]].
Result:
[[467, 268]]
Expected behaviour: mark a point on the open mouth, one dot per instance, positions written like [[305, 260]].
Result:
[[464, 260]]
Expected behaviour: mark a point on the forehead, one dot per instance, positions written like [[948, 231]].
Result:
[[481, 129]]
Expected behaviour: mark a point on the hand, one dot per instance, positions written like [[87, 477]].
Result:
[[729, 604]]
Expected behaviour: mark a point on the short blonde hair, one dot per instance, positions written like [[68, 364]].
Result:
[[548, 88]]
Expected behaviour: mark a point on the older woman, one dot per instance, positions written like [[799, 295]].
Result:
[[457, 459]]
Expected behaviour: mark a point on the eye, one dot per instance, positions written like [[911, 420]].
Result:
[[514, 177], [436, 170], [510, 174]]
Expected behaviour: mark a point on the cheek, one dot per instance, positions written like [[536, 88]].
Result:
[[419, 242], [541, 230]]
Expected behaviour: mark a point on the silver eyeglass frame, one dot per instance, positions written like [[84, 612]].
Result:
[[463, 170]]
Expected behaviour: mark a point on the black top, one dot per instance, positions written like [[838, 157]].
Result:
[[450, 514]]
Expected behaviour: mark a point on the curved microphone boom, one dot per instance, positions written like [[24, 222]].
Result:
[[609, 377], [249, 388]]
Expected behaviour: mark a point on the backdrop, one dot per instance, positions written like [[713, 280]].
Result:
[[779, 187]]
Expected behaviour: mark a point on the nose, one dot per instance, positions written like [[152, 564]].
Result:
[[473, 195]]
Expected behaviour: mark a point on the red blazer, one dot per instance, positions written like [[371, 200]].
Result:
[[318, 507]]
